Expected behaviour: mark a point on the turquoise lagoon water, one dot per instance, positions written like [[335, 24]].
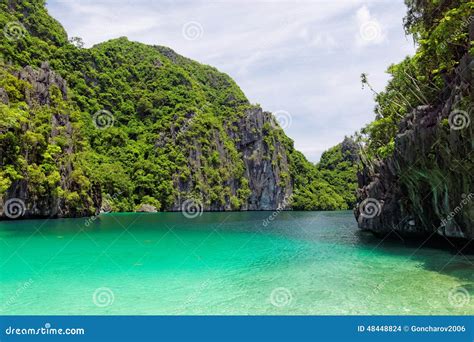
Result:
[[223, 263]]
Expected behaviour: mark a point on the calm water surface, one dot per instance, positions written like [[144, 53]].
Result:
[[223, 263]]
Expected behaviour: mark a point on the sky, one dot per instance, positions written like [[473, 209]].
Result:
[[301, 60]]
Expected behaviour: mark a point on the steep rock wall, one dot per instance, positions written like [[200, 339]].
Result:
[[427, 186], [24, 198]]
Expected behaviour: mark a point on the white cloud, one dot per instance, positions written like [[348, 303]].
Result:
[[304, 57]]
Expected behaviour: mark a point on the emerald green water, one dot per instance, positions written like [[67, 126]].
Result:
[[223, 263]]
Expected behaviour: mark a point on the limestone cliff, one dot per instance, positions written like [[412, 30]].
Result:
[[127, 126], [263, 159], [427, 186], [25, 197]]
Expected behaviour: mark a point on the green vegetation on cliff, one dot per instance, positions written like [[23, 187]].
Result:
[[338, 166], [440, 28], [141, 125], [39, 144], [417, 158]]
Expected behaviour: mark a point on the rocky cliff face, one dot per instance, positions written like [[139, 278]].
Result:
[[24, 198], [263, 183], [139, 126], [266, 161], [262, 157], [41, 81], [427, 187]]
